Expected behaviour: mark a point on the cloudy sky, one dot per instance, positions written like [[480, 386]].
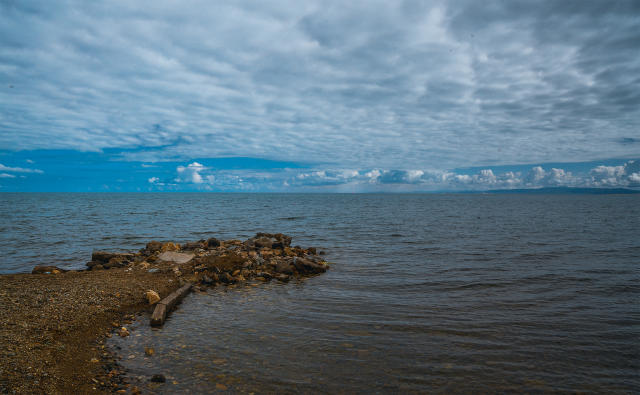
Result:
[[318, 96]]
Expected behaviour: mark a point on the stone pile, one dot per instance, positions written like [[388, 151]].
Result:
[[263, 257]]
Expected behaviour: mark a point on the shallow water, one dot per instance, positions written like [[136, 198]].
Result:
[[427, 292]]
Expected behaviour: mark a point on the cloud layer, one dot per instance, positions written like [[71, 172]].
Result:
[[359, 85], [200, 177]]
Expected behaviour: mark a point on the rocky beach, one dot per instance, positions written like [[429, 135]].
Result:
[[55, 321]]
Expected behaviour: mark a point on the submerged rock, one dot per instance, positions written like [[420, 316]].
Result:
[[158, 378]]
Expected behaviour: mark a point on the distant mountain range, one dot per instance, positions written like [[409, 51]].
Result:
[[567, 190]]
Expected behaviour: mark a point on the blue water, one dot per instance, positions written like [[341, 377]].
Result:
[[451, 293]]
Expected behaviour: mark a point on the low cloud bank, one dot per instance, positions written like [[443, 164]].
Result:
[[202, 177]]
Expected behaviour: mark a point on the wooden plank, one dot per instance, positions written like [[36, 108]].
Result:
[[159, 314], [176, 296], [167, 304]]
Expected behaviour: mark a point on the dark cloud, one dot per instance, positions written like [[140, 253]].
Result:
[[370, 85]]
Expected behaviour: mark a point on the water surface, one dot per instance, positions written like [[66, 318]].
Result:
[[427, 293]]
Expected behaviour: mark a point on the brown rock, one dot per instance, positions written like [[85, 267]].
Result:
[[154, 246], [170, 247], [263, 242], [226, 278], [228, 262], [152, 297], [102, 256], [192, 246], [282, 277], [46, 270], [307, 266], [284, 267], [123, 332]]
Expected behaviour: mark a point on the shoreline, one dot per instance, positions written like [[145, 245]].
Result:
[[55, 323]]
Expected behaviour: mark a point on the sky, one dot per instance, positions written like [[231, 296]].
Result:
[[331, 96]]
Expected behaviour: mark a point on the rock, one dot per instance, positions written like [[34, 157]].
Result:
[[192, 246], [154, 246], [123, 332], [152, 297], [149, 351], [102, 256], [226, 278], [282, 277], [263, 242], [311, 250], [207, 280], [175, 257], [46, 269], [115, 262], [284, 267], [158, 378], [228, 262], [307, 266], [213, 242], [93, 263], [266, 253], [136, 391], [264, 275], [97, 267], [170, 247], [55, 271]]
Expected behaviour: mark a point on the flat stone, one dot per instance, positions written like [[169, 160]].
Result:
[[175, 257]]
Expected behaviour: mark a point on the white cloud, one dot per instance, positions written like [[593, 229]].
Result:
[[613, 176], [5, 175], [19, 169], [191, 173], [153, 180]]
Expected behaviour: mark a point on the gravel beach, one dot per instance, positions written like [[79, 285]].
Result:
[[53, 327]]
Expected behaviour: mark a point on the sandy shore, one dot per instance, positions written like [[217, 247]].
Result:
[[53, 327]]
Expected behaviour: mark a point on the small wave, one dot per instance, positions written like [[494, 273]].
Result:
[[291, 218]]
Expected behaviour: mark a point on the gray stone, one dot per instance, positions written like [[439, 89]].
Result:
[[175, 257]]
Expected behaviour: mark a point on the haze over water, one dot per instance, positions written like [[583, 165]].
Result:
[[427, 292]]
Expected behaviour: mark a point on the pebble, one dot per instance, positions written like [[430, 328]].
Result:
[[158, 378]]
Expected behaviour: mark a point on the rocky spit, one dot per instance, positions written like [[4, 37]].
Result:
[[54, 322]]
